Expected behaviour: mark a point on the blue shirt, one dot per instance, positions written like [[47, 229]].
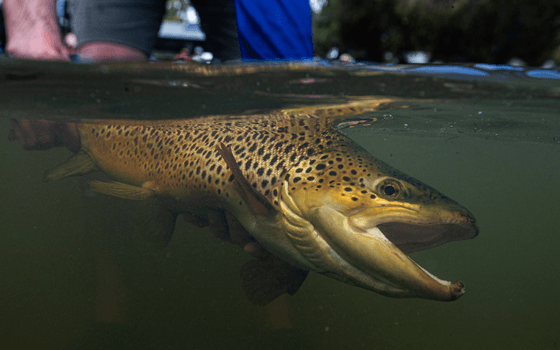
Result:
[[274, 29]]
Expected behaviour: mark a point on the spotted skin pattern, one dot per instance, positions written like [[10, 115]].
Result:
[[182, 159]]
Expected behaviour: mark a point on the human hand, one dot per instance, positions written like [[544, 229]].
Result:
[[36, 134], [223, 225], [32, 30]]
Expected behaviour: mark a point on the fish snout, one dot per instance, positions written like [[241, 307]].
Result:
[[456, 290]]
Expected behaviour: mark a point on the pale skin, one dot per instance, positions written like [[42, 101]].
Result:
[[33, 32]]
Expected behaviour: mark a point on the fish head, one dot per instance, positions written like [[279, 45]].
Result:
[[362, 217]]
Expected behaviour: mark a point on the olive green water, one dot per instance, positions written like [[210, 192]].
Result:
[[77, 272]]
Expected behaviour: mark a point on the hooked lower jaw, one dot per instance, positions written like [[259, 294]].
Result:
[[408, 279], [372, 261]]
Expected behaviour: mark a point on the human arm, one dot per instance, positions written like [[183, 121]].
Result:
[[32, 30]]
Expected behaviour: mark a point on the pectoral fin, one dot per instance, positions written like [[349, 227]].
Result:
[[257, 203], [266, 279], [79, 164]]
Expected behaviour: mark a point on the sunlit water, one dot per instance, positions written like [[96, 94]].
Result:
[[76, 271]]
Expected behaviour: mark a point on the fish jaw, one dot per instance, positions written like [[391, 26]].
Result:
[[389, 271]]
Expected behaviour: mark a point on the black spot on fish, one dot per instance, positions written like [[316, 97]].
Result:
[[293, 157]]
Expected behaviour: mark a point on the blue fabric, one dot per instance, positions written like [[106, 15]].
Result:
[[274, 29]]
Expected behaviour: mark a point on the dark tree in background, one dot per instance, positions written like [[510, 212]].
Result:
[[491, 31]]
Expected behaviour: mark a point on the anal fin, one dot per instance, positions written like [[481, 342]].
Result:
[[159, 220], [79, 164], [266, 279]]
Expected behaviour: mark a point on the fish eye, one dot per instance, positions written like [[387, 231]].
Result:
[[389, 189]]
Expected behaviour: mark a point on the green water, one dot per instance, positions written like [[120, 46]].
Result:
[[76, 271]]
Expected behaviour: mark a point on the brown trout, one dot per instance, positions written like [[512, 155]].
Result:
[[304, 191]]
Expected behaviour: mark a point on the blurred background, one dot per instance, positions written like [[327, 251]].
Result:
[[516, 32], [519, 32]]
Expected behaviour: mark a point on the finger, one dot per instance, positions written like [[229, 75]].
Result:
[[69, 135], [35, 134], [237, 232], [24, 132], [217, 224], [255, 250]]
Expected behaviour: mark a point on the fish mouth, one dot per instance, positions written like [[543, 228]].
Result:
[[425, 236], [413, 230], [375, 253]]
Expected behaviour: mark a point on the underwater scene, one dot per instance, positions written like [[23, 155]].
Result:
[[81, 267]]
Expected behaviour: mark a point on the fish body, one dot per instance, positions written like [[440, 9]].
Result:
[[304, 191]]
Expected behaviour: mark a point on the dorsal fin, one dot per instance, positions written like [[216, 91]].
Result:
[[257, 203]]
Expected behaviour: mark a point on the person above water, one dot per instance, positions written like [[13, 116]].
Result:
[[105, 30], [127, 29]]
